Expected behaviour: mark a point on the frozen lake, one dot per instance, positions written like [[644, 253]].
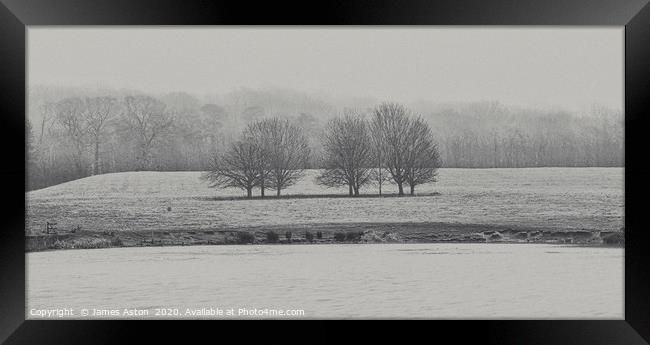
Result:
[[350, 281]]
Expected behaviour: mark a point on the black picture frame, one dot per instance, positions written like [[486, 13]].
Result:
[[16, 15]]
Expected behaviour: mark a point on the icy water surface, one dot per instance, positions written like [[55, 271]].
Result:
[[338, 281]]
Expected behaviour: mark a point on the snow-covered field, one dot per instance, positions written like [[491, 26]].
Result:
[[558, 198]]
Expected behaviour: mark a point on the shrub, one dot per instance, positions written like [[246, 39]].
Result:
[[90, 243], [495, 237], [272, 237], [117, 242], [339, 236], [309, 236], [353, 236], [615, 238], [61, 245], [244, 237], [287, 235], [319, 235]]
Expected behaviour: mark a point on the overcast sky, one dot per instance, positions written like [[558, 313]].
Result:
[[563, 66]]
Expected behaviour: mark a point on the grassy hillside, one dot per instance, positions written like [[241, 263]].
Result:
[[555, 199]]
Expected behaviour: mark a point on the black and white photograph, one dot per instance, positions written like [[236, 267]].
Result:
[[327, 172]]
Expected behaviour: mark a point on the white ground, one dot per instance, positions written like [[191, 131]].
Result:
[[366, 281], [566, 198]]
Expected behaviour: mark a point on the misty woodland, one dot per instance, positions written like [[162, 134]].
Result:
[[264, 139]]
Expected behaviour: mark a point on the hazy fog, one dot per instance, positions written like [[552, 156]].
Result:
[[567, 67]]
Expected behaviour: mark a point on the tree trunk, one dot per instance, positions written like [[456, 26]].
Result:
[[401, 189], [350, 187], [143, 162], [96, 170], [81, 169], [356, 190], [262, 186], [412, 189], [380, 179], [279, 192], [249, 192]]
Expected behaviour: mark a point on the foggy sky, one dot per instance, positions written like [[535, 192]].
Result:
[[562, 66]]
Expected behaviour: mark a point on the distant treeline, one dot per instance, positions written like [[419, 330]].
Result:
[[73, 134], [489, 135]]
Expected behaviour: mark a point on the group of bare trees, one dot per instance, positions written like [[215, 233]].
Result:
[[273, 153], [82, 125], [393, 146], [270, 154]]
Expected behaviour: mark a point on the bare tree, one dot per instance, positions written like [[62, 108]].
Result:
[[41, 150], [259, 134], [98, 111], [407, 146], [378, 142], [237, 168], [47, 112], [148, 120], [283, 152], [213, 120], [422, 159], [392, 120], [348, 153], [31, 155], [69, 114]]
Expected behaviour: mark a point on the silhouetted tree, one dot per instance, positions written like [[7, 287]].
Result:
[[348, 153], [377, 141], [422, 159], [407, 145], [237, 168], [392, 120], [283, 152]]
